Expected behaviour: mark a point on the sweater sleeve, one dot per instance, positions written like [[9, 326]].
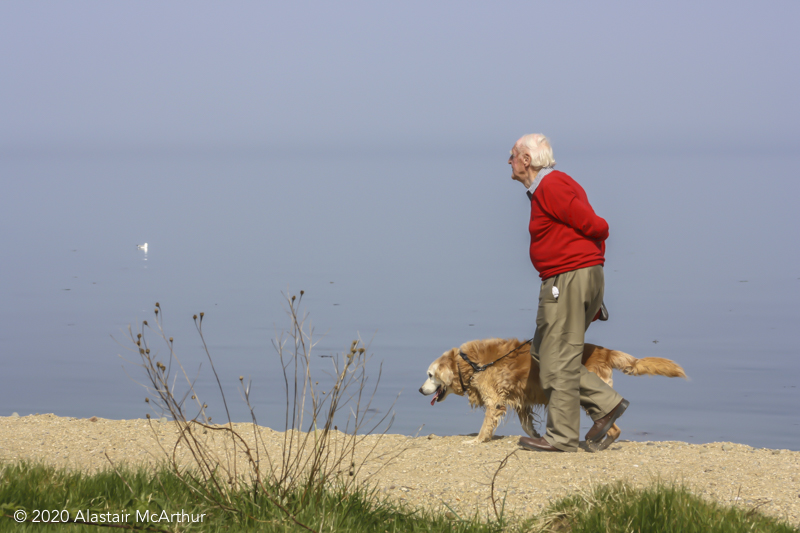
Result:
[[562, 202]]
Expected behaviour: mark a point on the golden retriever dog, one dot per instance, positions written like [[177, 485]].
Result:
[[513, 380]]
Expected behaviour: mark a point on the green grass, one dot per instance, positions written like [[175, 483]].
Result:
[[27, 486], [659, 508], [611, 508]]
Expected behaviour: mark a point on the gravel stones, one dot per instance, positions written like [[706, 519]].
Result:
[[445, 473]]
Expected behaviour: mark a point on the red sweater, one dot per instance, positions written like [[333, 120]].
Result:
[[566, 234]]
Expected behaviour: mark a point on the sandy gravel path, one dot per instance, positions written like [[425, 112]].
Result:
[[435, 471]]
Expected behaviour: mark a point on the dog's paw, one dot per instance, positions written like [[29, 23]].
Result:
[[593, 447], [629, 370], [603, 445], [476, 440]]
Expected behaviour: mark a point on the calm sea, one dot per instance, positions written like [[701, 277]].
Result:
[[414, 253]]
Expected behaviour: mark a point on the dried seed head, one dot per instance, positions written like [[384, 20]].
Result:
[[141, 351], [361, 350], [147, 351], [194, 397], [302, 293], [241, 378], [195, 317], [147, 400], [157, 305], [170, 339], [139, 343], [148, 416], [209, 419], [205, 406], [202, 314], [293, 297], [144, 322], [139, 336], [156, 310]]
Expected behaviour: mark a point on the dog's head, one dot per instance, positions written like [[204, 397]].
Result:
[[442, 378]]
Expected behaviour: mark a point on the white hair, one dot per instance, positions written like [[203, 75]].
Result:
[[538, 147]]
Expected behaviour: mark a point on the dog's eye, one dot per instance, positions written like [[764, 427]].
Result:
[[430, 375]]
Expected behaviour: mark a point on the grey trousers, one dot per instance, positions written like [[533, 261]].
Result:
[[558, 347]]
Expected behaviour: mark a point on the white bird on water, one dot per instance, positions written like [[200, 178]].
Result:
[[142, 247]]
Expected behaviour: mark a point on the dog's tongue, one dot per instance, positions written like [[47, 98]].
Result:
[[436, 395]]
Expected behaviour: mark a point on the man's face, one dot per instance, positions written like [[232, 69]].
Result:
[[519, 163]]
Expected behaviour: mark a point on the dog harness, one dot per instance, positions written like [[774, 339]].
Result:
[[602, 315], [480, 368]]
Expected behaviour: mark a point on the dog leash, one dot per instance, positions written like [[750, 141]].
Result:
[[480, 368]]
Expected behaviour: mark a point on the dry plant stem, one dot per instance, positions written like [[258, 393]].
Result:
[[314, 454], [201, 463], [500, 467], [117, 472], [199, 326], [213, 472]]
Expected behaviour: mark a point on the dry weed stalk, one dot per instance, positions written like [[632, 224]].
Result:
[[499, 513], [314, 451], [314, 454]]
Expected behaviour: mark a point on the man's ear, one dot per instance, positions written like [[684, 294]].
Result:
[[526, 159]]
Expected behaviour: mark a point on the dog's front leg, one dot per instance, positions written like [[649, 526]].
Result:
[[494, 412]]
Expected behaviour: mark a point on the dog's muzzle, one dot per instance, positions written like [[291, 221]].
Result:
[[438, 394]]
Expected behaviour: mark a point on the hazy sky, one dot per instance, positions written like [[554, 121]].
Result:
[[721, 75], [213, 130]]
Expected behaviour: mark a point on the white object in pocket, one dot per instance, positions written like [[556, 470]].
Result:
[[555, 292]]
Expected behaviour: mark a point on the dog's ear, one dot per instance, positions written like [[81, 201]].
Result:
[[447, 368]]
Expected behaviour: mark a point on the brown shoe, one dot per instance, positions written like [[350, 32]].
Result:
[[537, 445], [602, 425]]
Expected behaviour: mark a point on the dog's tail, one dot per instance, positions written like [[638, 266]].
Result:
[[646, 366]]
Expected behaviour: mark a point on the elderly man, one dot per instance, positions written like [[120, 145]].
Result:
[[568, 250]]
